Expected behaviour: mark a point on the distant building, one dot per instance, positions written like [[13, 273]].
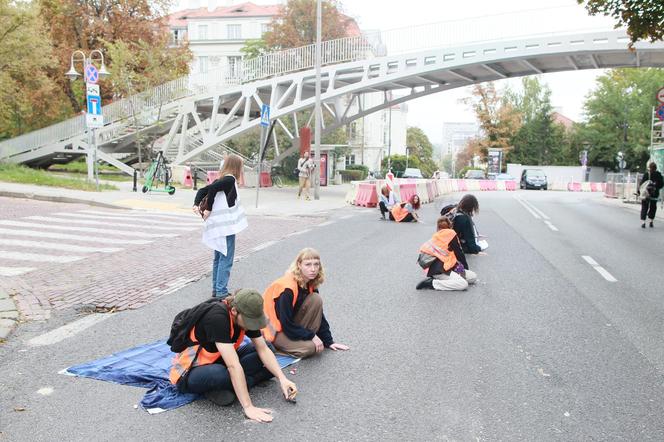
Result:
[[456, 136], [559, 118]]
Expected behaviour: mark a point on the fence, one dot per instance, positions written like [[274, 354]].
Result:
[[623, 186]]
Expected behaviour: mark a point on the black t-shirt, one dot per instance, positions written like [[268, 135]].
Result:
[[215, 326]]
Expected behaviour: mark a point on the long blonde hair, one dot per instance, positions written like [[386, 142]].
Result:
[[294, 269], [232, 166]]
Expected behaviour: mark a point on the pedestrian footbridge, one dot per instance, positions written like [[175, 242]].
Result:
[[190, 118]]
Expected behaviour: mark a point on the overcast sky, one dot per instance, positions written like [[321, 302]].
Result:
[[568, 88]]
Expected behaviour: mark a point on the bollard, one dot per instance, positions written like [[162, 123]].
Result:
[[195, 179], [135, 181]]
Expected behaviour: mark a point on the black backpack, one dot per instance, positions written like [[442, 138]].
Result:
[[185, 321], [449, 212]]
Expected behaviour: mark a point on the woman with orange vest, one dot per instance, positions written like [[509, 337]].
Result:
[[294, 309], [406, 212], [216, 363], [449, 271]]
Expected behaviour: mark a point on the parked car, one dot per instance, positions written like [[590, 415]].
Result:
[[505, 177], [412, 172], [474, 174], [533, 179], [438, 175]]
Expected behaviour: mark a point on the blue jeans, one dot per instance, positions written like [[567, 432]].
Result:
[[216, 377], [221, 268]]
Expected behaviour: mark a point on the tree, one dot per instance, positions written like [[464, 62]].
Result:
[[644, 18], [420, 148]]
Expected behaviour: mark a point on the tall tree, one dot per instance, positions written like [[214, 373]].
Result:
[[420, 147], [644, 18]]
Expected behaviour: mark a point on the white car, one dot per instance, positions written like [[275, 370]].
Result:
[[412, 172]]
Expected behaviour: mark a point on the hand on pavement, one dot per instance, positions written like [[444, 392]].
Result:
[[319, 344], [289, 389], [258, 414], [336, 346]]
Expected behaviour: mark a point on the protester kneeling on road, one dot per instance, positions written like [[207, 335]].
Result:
[[297, 324], [216, 363], [448, 270], [464, 226], [406, 212], [387, 201]]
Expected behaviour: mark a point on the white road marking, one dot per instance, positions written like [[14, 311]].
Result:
[[145, 220], [535, 215], [265, 245], [145, 214], [535, 209], [58, 235], [6, 222], [67, 331], [15, 271], [551, 226], [326, 223], [89, 222], [299, 232], [601, 270], [56, 246], [37, 257]]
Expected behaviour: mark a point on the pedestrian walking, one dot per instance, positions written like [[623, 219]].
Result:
[[649, 188], [387, 201], [219, 205], [305, 165], [294, 308], [406, 212], [447, 268], [218, 365], [471, 241]]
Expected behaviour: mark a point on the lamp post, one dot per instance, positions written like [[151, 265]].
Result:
[[628, 90], [72, 74], [584, 159], [317, 108], [407, 149]]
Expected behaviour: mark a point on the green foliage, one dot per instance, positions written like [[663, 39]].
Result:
[[364, 169], [20, 174], [254, 48], [644, 18], [420, 151], [462, 172], [446, 163], [351, 175]]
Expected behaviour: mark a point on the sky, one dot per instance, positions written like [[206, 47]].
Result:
[[568, 89]]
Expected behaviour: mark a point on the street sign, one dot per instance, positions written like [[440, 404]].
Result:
[[94, 117], [660, 95], [94, 121], [660, 112], [265, 115], [622, 164], [91, 74]]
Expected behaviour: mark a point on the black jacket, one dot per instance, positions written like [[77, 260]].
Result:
[[465, 229]]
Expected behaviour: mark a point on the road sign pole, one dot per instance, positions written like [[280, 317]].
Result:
[[260, 162], [96, 163], [90, 157]]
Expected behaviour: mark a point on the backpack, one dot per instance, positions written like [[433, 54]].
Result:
[[185, 321], [449, 212], [647, 190]]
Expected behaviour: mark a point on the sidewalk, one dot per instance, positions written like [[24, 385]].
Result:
[[272, 201]]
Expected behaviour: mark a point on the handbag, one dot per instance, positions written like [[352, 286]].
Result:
[[203, 206], [425, 260]]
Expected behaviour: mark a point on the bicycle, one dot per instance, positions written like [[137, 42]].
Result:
[[275, 176], [158, 172]]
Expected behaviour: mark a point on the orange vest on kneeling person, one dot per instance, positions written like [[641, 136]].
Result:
[[439, 245], [270, 296], [399, 212], [196, 355]]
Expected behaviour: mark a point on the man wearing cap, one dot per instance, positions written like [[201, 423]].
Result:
[[222, 368]]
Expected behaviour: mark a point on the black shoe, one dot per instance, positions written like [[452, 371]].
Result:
[[643, 226], [651, 225], [221, 397], [425, 284]]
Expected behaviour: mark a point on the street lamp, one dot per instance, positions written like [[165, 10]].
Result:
[[72, 74], [584, 159], [407, 149]]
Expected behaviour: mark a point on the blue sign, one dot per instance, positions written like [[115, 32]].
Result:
[[91, 74], [94, 104], [265, 115], [660, 112]]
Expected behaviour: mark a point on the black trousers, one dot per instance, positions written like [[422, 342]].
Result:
[[383, 208], [407, 219], [648, 207]]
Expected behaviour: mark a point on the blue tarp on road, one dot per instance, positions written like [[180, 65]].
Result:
[[146, 366]]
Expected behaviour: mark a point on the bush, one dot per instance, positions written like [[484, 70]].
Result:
[[364, 169], [351, 175]]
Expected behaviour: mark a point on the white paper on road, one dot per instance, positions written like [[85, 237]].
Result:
[[86, 229], [89, 222], [37, 257], [144, 219], [56, 246], [58, 235], [14, 271]]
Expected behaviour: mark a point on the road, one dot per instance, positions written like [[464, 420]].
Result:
[[547, 346]]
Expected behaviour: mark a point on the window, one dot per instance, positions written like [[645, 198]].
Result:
[[234, 32], [265, 27], [202, 65], [350, 159], [202, 32], [234, 65]]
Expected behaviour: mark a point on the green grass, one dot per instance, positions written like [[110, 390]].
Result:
[[79, 166], [14, 173]]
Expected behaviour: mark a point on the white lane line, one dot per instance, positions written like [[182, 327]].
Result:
[[14, 271], [90, 222], [58, 235], [144, 214], [326, 223], [67, 331], [265, 245], [538, 211], [535, 215], [601, 270], [299, 232], [37, 257], [145, 220], [56, 246], [12, 223], [551, 226]]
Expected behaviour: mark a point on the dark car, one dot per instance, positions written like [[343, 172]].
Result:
[[533, 179], [474, 174]]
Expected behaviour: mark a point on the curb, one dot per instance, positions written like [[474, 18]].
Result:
[[8, 316], [58, 199]]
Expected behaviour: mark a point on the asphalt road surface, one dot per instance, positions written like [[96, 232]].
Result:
[[561, 339]]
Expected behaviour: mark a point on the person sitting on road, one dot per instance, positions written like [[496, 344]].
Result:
[[219, 366], [387, 201], [449, 271], [471, 241], [406, 212], [297, 324]]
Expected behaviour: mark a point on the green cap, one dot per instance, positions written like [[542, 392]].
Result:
[[249, 303]]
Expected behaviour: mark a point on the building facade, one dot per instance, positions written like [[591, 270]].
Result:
[[456, 136]]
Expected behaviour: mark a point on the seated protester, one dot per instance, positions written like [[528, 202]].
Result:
[[406, 212], [216, 365], [449, 271], [465, 227], [387, 201], [295, 309]]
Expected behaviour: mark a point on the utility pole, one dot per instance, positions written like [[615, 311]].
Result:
[[317, 109], [389, 142]]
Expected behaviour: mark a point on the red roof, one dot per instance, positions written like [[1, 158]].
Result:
[[559, 118], [179, 19]]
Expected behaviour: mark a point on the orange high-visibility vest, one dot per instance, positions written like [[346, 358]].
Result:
[[438, 246], [269, 303], [186, 359], [399, 212]]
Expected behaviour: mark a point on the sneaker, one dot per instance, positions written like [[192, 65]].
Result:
[[223, 398], [643, 226], [651, 225], [425, 284]]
